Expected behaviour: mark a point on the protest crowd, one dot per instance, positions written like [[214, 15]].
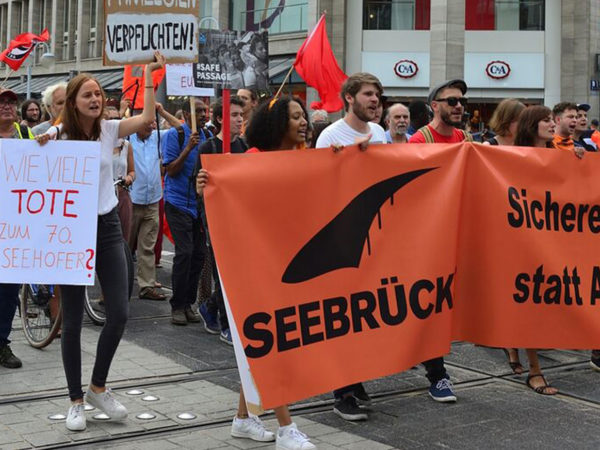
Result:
[[159, 179]]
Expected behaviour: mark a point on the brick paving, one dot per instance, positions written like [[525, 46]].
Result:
[[191, 371]]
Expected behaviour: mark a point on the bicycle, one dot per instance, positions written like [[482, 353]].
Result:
[[41, 314]]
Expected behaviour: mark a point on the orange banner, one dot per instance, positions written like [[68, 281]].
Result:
[[344, 267]]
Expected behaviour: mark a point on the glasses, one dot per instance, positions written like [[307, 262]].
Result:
[[7, 103], [453, 101]]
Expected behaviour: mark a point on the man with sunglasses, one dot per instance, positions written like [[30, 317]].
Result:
[[180, 153], [448, 104], [9, 293]]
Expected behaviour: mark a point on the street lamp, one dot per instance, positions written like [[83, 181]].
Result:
[[46, 60]]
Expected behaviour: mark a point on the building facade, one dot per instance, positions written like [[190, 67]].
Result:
[[540, 51]]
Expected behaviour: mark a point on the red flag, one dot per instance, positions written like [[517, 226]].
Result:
[[133, 83], [316, 64], [20, 48]]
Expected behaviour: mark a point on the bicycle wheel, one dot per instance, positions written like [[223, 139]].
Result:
[[94, 302], [39, 326]]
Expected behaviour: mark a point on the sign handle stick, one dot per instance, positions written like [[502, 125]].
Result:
[[226, 121], [193, 114], [284, 81]]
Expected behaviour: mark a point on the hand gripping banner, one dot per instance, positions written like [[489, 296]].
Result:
[[343, 267]]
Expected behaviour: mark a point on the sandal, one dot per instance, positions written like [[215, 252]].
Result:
[[540, 389], [152, 294], [516, 366]]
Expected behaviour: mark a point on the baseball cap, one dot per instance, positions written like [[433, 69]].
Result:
[[457, 83], [9, 93], [583, 106]]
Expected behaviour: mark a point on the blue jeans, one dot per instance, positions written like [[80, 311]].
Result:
[[9, 300]]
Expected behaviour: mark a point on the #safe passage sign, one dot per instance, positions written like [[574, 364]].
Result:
[[134, 29], [48, 217], [344, 267]]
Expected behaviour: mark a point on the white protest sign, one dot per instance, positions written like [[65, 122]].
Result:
[[180, 81], [48, 219], [135, 29]]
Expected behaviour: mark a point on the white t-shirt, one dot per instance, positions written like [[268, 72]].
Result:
[[339, 132], [109, 139]]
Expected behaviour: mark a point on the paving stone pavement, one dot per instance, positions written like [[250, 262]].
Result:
[[192, 371]]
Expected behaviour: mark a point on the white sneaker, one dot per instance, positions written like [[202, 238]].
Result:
[[251, 428], [106, 402], [290, 438], [76, 417]]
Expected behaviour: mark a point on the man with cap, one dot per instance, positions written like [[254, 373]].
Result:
[[9, 293], [583, 136], [448, 104]]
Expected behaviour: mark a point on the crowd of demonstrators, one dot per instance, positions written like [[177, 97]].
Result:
[[138, 154]]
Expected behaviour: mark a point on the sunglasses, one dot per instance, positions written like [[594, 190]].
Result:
[[453, 101]]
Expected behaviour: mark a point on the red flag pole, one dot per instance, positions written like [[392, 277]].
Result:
[[226, 121], [284, 81]]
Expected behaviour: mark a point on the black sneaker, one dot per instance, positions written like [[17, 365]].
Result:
[[595, 362], [8, 359], [361, 396], [348, 409]]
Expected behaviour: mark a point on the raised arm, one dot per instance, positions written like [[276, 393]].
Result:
[[134, 124], [173, 121]]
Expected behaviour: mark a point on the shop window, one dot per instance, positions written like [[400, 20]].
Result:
[[276, 16], [510, 15], [396, 14]]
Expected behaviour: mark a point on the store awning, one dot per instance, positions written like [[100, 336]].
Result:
[[110, 80], [278, 69]]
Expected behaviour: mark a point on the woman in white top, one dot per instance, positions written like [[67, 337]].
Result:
[[82, 119]]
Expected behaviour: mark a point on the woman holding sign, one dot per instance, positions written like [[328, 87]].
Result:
[[82, 119], [278, 124]]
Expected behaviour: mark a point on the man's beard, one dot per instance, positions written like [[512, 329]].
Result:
[[446, 119], [361, 112], [401, 131]]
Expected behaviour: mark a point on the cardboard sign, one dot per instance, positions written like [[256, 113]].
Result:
[[134, 30], [180, 81], [356, 265], [233, 60], [48, 219]]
